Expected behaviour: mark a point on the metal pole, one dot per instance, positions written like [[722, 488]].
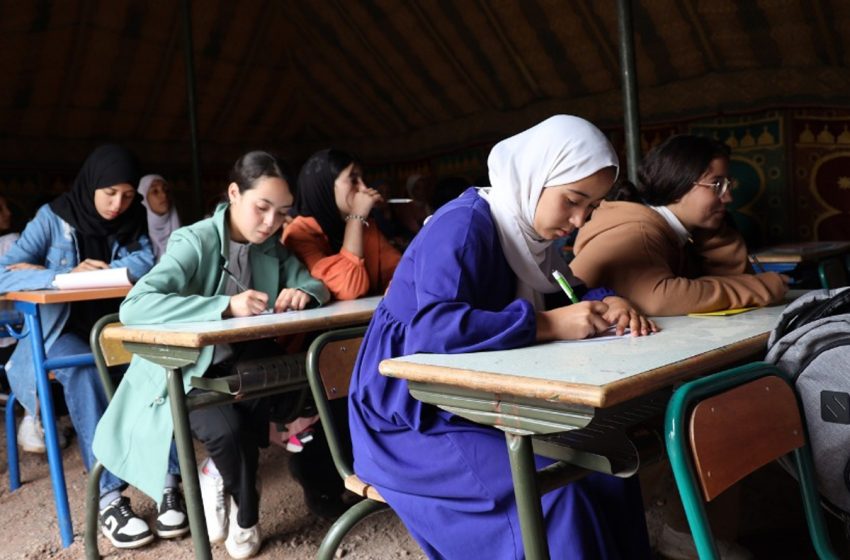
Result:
[[631, 112], [529, 508], [186, 10]]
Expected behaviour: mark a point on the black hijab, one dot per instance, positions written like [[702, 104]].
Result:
[[106, 166], [315, 195]]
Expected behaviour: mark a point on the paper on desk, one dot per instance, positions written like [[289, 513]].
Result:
[[106, 278], [608, 334], [722, 312]]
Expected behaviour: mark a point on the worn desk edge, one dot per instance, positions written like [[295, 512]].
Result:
[[579, 393], [198, 340]]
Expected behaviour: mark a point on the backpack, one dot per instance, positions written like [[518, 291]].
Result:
[[811, 344]]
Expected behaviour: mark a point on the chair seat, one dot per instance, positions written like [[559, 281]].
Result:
[[362, 489]]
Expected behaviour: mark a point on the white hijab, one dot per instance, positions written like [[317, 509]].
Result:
[[159, 227], [562, 149]]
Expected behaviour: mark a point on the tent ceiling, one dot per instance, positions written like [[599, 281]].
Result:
[[391, 79]]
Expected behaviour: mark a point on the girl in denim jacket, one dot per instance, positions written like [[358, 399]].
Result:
[[100, 223]]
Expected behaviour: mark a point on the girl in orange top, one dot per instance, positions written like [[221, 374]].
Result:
[[333, 234]]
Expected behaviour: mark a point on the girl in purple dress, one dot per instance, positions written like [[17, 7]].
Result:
[[473, 280]]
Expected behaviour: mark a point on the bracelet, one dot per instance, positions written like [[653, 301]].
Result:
[[357, 217]]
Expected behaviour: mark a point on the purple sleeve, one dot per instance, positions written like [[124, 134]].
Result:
[[464, 291], [598, 294]]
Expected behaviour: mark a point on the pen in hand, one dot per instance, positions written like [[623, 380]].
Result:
[[565, 286], [757, 266], [242, 287]]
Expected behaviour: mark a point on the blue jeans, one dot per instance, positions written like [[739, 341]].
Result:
[[86, 402]]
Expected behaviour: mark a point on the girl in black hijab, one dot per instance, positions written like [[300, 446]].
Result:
[[100, 207], [100, 223]]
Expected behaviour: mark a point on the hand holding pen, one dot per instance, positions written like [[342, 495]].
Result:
[[758, 268], [247, 302]]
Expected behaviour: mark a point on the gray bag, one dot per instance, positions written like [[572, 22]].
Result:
[[811, 344]]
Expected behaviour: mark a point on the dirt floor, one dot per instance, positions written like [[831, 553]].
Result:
[[771, 522], [28, 528]]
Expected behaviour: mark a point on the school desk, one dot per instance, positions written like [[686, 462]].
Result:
[[809, 251], [177, 345], [27, 303], [578, 401]]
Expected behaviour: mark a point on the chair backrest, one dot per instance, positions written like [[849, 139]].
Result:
[[742, 429], [722, 427], [107, 353], [832, 273], [330, 362]]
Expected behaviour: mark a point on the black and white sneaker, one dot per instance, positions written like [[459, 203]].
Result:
[[172, 521], [122, 526]]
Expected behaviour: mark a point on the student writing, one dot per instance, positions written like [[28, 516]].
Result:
[[667, 245], [471, 281], [99, 223], [189, 284]]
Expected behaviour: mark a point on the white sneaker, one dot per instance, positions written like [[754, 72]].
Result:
[[215, 506], [676, 545], [31, 435], [122, 526], [241, 543]]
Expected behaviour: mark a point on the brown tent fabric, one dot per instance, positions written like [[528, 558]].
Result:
[[391, 79]]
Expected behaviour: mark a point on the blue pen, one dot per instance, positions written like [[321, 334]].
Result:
[[565, 286], [757, 267]]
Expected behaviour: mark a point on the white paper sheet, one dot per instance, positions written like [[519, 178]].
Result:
[[106, 278], [609, 334]]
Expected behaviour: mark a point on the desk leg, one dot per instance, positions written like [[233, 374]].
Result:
[[188, 465], [48, 420], [12, 445], [527, 494]]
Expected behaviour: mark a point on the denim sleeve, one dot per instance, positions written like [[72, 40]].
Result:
[[138, 257], [32, 248]]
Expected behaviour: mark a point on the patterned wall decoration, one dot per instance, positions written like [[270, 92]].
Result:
[[820, 192]]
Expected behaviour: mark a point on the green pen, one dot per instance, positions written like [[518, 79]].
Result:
[[565, 286]]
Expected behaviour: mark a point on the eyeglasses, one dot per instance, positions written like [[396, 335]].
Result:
[[721, 186]]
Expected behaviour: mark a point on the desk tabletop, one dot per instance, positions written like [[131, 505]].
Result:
[[66, 296], [599, 373], [199, 334], [801, 252]]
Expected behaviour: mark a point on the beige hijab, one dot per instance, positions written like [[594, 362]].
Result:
[[562, 149]]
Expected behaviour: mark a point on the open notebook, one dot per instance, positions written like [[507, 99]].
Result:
[[107, 278]]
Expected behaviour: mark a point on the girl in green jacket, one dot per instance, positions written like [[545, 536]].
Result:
[[229, 265]]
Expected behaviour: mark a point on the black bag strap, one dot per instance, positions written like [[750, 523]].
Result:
[[838, 304]]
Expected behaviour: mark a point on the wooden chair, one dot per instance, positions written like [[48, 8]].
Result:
[[330, 361], [723, 427], [832, 273], [285, 373]]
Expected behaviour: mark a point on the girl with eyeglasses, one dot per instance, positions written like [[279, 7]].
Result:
[[667, 244]]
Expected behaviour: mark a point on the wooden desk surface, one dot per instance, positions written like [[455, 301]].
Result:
[[599, 373], [199, 334], [801, 252], [66, 296]]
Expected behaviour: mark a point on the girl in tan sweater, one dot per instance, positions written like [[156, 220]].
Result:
[[667, 244]]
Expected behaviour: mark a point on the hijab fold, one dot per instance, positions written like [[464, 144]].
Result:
[[159, 227], [562, 149], [106, 166]]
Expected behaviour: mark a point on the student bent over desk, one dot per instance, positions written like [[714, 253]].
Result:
[[100, 223], [229, 265], [472, 281]]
